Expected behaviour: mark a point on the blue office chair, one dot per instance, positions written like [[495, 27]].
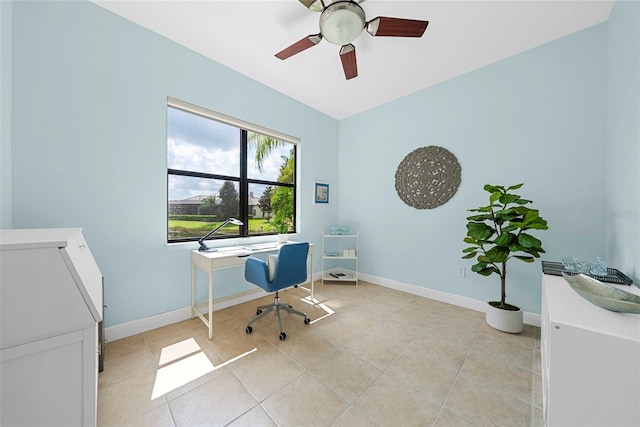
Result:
[[290, 270]]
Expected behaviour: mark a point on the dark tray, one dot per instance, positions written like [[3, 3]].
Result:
[[613, 275]]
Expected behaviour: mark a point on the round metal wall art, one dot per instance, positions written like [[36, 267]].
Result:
[[428, 177]]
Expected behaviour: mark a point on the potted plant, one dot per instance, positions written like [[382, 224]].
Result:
[[281, 226], [497, 233]]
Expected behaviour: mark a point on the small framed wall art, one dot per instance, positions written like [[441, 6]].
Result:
[[320, 192]]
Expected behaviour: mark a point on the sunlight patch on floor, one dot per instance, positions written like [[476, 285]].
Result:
[[317, 303], [184, 362], [178, 350]]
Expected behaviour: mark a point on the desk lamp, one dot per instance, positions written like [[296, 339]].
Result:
[[205, 248]]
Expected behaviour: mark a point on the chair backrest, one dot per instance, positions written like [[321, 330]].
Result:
[[291, 268]]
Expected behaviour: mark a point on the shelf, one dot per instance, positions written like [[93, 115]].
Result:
[[341, 245], [339, 257], [328, 277]]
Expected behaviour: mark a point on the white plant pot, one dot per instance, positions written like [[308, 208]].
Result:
[[282, 238], [504, 320]]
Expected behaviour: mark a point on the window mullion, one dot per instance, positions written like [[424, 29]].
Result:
[[244, 184]]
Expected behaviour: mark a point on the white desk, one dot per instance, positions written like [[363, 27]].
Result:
[[227, 257]]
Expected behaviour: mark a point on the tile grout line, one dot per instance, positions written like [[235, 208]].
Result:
[[458, 373], [382, 371], [536, 345]]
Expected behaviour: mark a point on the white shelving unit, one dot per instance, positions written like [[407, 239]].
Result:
[[336, 247]]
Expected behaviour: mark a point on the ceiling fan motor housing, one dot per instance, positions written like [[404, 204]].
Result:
[[342, 22]]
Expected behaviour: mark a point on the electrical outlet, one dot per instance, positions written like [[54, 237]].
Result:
[[461, 272]]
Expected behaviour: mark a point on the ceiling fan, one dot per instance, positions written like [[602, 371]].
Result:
[[341, 22]]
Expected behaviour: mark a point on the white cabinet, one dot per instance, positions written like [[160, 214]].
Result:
[[340, 252], [50, 306], [590, 360]]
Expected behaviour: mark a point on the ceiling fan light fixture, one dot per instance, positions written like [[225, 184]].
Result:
[[342, 22]]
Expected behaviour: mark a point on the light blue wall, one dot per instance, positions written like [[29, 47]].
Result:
[[537, 118], [87, 124], [5, 114], [89, 144], [622, 219]]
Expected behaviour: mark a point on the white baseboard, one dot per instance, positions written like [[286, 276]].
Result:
[[127, 329], [461, 301]]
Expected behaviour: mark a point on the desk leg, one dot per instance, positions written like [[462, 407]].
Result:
[[313, 298], [193, 290], [210, 305]]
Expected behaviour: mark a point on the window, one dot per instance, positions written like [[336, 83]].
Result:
[[219, 167]]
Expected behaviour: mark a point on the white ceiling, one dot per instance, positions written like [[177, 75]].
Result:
[[462, 36]]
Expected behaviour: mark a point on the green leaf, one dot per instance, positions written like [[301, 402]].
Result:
[[505, 239], [484, 269], [498, 254], [523, 201], [469, 249], [493, 188], [533, 252], [482, 217], [539, 224], [469, 256], [478, 267], [485, 209], [484, 258], [479, 231], [507, 199], [530, 215], [529, 241], [488, 271], [510, 217], [470, 240], [494, 196], [515, 187], [525, 258], [517, 248]]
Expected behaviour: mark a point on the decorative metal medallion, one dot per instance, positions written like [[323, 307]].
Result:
[[428, 177]]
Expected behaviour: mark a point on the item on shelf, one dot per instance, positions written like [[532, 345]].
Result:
[[569, 263], [598, 267], [349, 253], [338, 230], [603, 295], [332, 254], [613, 275], [338, 275]]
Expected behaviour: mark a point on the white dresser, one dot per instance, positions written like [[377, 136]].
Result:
[[590, 360], [50, 306]]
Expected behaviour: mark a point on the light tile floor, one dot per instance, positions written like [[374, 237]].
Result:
[[383, 358]]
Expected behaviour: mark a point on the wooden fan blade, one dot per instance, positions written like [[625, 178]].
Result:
[[396, 27], [314, 5], [348, 58], [299, 46]]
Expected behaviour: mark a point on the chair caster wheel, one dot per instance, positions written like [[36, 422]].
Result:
[[283, 336], [249, 329], [307, 320], [258, 312]]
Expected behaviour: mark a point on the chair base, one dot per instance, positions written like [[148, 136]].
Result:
[[263, 310]]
